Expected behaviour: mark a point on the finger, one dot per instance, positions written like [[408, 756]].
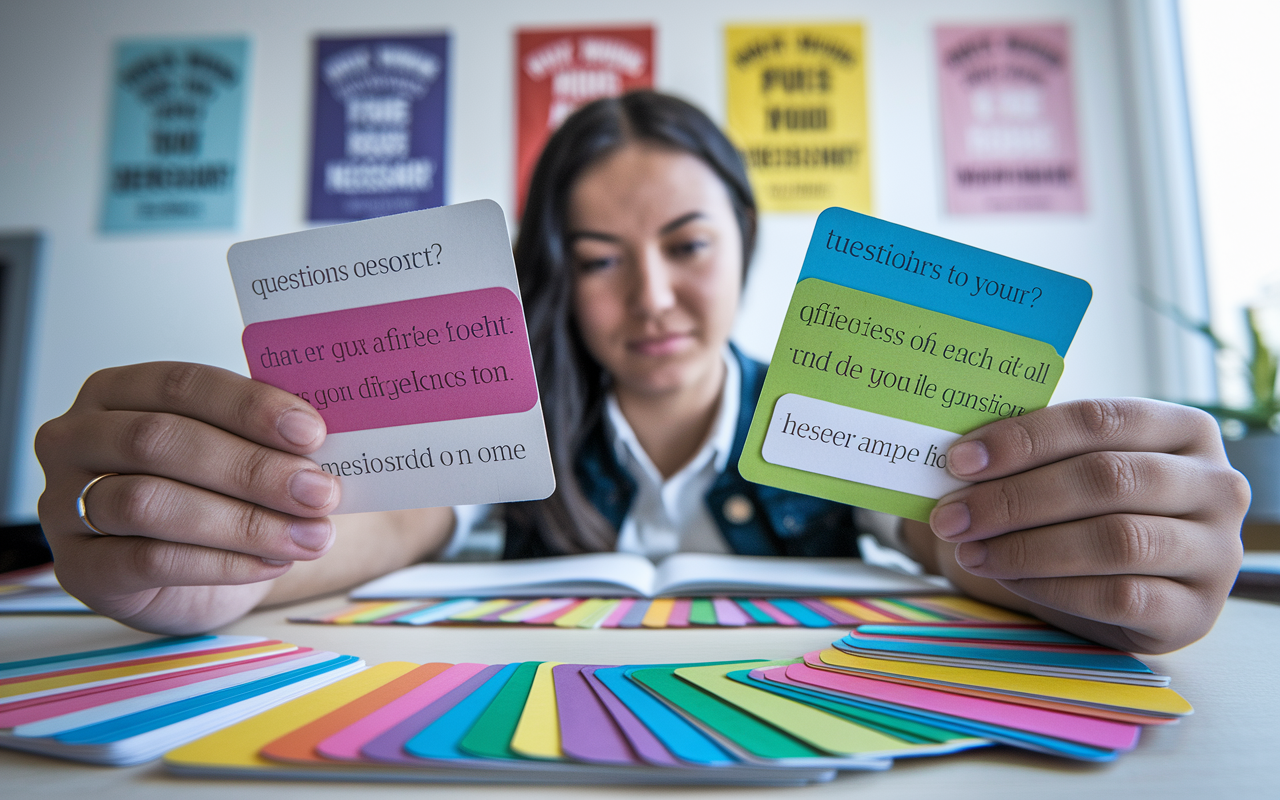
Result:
[[143, 505], [1115, 544], [1085, 486], [1051, 434], [129, 564], [1154, 614], [232, 402], [192, 452]]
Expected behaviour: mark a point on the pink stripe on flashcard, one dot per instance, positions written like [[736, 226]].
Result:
[[345, 744], [453, 356], [680, 613], [555, 613], [1072, 727], [728, 613], [616, 615]]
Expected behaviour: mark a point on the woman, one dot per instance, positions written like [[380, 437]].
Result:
[[1115, 519]]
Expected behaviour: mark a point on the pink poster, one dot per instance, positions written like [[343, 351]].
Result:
[[1008, 119]]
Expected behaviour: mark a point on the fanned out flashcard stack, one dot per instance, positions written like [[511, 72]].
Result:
[[127, 705], [887, 690], [667, 612]]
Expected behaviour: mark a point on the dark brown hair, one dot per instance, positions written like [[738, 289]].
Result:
[[571, 383]]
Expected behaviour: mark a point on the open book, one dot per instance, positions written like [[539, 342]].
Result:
[[629, 575]]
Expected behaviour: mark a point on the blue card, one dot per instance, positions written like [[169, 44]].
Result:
[[910, 266]]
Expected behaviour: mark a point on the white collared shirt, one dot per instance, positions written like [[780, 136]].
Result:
[[670, 516]]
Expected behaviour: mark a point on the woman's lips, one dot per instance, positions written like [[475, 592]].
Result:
[[664, 345]]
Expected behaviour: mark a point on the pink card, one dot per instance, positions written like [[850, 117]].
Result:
[[345, 744], [408, 335], [1008, 119], [1072, 727]]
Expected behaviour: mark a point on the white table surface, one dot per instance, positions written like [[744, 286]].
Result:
[[1229, 748]]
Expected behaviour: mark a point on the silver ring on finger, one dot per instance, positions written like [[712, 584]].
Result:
[[83, 512]]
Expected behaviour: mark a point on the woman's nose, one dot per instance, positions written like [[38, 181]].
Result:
[[654, 291]]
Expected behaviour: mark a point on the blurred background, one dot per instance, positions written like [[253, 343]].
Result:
[[1157, 117]]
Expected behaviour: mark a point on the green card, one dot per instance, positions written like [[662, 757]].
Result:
[[743, 730], [490, 736], [865, 394]]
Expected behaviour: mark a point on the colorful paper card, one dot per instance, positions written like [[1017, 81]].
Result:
[[239, 746], [895, 343], [1152, 700], [994, 732], [176, 129], [389, 747], [300, 745], [378, 126], [1008, 119], [1073, 727], [643, 742], [797, 109], [490, 736], [832, 734], [346, 743], [407, 334], [903, 728], [683, 739]]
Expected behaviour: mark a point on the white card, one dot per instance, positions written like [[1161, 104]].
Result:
[[407, 334]]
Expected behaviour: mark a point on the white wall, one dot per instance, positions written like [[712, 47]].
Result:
[[106, 300]]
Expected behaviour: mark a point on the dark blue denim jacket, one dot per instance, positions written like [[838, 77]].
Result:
[[755, 519]]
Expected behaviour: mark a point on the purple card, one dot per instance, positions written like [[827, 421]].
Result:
[[389, 747], [587, 731], [378, 141], [642, 740]]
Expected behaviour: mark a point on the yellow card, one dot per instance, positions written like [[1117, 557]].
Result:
[[538, 731], [238, 745], [1151, 699], [53, 685], [797, 109]]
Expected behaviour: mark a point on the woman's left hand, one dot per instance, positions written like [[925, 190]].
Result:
[[1116, 519]]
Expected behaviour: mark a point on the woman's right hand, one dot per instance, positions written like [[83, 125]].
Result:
[[213, 499]]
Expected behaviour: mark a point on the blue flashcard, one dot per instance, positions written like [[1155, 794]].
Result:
[[176, 126], [1117, 661], [682, 738], [378, 126], [910, 266], [439, 740], [999, 733]]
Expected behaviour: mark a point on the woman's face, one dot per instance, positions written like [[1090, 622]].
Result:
[[657, 262]]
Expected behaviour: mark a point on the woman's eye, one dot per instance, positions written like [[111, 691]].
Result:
[[689, 248], [594, 264]]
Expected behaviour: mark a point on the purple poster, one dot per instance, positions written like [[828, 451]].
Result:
[[1008, 119], [378, 137]]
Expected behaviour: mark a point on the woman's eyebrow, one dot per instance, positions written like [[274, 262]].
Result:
[[684, 219]]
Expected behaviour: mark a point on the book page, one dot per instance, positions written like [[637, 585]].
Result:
[[701, 573], [592, 574]]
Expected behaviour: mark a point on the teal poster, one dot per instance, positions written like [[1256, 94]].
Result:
[[176, 127]]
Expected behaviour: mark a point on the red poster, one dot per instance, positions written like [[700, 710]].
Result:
[[561, 69]]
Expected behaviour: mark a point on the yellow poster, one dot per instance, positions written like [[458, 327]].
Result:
[[797, 109]]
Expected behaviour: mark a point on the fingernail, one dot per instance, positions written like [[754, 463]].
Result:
[[971, 555], [298, 427], [311, 488], [968, 458], [950, 520], [313, 534], [271, 562]]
